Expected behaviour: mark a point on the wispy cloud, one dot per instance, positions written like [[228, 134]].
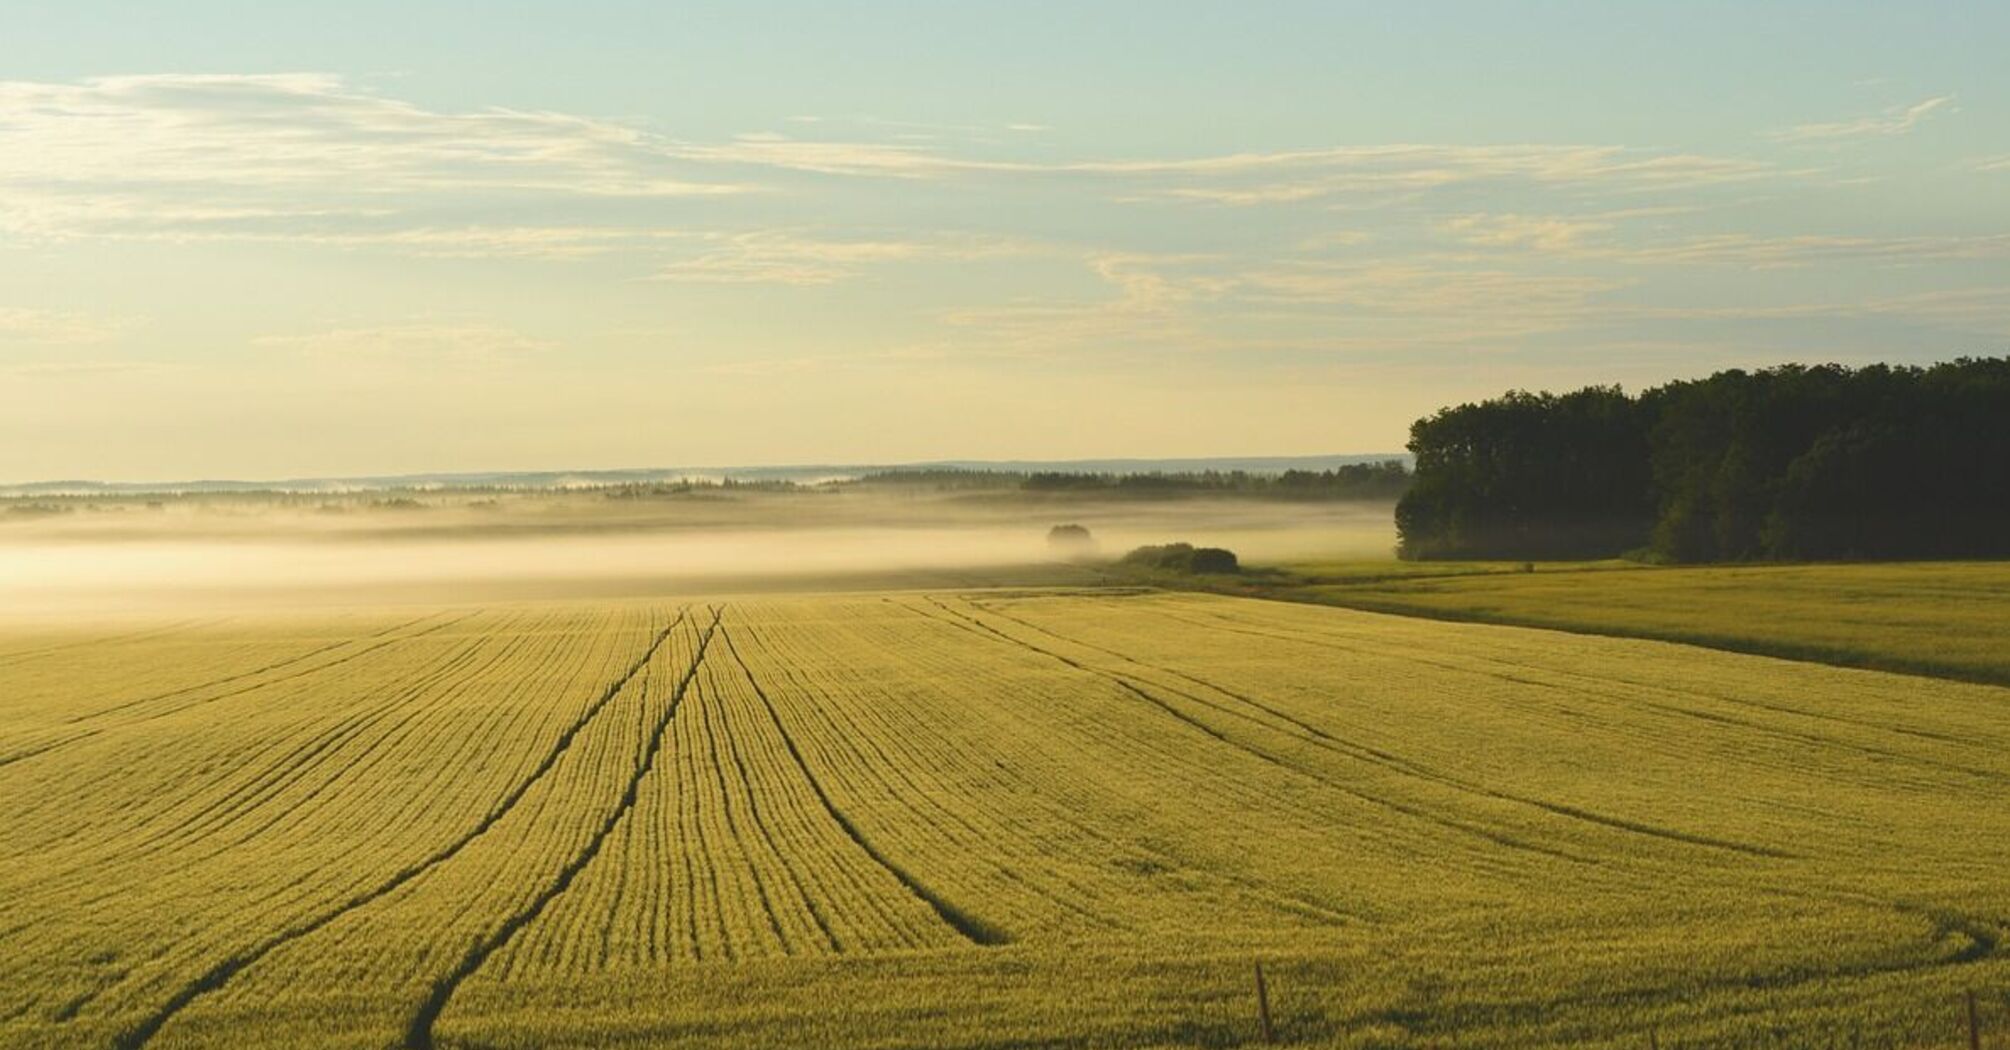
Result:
[[800, 258], [314, 131], [25, 326], [314, 160], [1431, 304], [1974, 311], [1894, 120], [1547, 233], [491, 242], [1149, 302], [898, 357], [1265, 177], [1447, 245], [1302, 309], [1747, 250], [260, 156], [83, 367], [1601, 236], [131, 218], [420, 343]]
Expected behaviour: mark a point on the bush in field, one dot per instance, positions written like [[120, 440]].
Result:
[[1071, 541], [1214, 559], [1183, 557]]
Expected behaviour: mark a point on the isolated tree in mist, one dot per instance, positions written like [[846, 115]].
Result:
[[1071, 541]]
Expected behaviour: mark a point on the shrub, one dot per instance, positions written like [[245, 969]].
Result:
[[1070, 539], [1214, 559], [1183, 557]]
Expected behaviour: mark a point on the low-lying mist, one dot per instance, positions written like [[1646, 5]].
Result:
[[243, 554]]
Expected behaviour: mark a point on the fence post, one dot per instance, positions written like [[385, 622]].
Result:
[[1263, 1005], [1974, 1024]]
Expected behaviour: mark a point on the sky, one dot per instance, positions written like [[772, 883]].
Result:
[[264, 240]]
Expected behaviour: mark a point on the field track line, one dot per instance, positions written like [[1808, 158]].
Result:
[[318, 668], [410, 703], [241, 675], [278, 769], [1983, 944], [419, 1033], [887, 768], [970, 928], [1137, 691], [90, 733], [1558, 808], [1272, 896], [420, 690], [10, 659], [1675, 709], [1376, 756], [621, 874], [194, 829], [220, 974], [716, 730], [764, 833]]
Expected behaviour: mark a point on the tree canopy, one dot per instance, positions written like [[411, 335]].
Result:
[[1792, 462]]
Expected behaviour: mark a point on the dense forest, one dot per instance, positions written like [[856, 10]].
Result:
[[1793, 462]]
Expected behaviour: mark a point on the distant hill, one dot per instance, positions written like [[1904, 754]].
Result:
[[805, 473]]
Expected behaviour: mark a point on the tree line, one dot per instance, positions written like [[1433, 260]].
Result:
[[1787, 463], [1352, 481]]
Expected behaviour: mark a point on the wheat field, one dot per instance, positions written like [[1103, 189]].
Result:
[[992, 818]]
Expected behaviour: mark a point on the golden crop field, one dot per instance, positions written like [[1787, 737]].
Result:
[[990, 818], [1950, 619]]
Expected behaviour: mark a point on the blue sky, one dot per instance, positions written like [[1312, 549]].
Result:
[[279, 239]]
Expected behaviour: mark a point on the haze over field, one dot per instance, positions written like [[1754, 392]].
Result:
[[127, 559]]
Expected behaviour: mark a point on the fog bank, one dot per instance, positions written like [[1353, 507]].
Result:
[[263, 557]]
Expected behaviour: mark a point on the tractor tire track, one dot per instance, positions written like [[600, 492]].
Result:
[[1415, 812], [762, 824], [92, 733], [11, 659], [1600, 687], [278, 768], [1157, 855], [1557, 808], [241, 675], [405, 708], [297, 763], [742, 839], [219, 975], [350, 729], [419, 1032], [886, 767], [149, 841], [1311, 817], [969, 927]]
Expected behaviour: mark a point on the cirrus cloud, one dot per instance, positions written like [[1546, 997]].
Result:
[[1894, 120]]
